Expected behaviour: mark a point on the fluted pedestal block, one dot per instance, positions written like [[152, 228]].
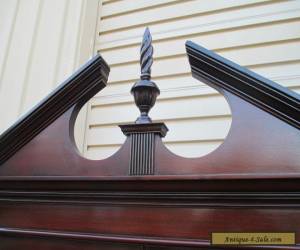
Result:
[[142, 146]]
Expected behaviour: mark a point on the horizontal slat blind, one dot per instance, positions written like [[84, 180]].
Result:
[[261, 35]]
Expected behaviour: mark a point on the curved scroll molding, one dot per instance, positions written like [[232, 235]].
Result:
[[260, 148], [259, 145], [81, 86], [263, 93]]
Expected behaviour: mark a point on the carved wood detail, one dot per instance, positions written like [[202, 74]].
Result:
[[145, 197]]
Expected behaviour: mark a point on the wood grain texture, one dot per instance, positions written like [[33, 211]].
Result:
[[254, 130], [53, 198]]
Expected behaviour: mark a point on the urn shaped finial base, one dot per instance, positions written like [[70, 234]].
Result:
[[145, 93]]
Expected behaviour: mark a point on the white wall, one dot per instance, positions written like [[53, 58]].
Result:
[[261, 35], [42, 42]]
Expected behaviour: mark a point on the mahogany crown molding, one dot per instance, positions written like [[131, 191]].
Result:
[[80, 87], [211, 68]]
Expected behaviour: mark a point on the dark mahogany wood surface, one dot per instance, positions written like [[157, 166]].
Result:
[[266, 145], [51, 197], [80, 87]]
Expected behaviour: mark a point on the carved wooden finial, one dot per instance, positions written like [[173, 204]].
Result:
[[146, 58], [145, 91]]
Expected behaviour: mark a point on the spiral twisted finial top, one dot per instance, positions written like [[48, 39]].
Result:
[[146, 58]]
